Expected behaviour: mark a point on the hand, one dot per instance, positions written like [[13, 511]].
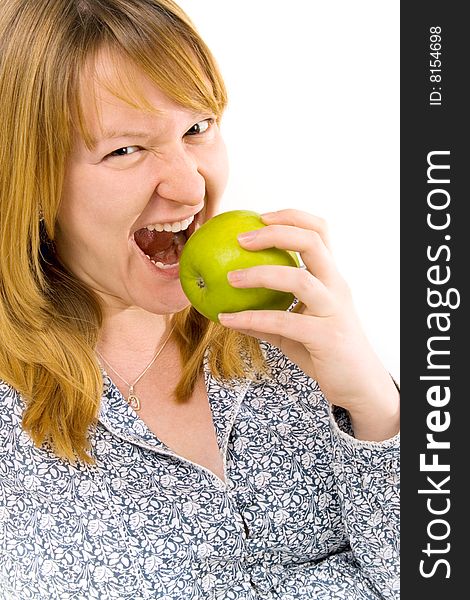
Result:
[[322, 335]]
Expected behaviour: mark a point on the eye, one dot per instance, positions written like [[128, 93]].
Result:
[[201, 127], [125, 151]]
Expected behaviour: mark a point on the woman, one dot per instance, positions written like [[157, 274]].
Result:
[[148, 453]]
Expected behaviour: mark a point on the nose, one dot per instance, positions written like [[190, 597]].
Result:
[[179, 179]]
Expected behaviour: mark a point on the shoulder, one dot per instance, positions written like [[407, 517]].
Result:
[[11, 412], [287, 375], [9, 397], [285, 387], [282, 370], [289, 379], [8, 394]]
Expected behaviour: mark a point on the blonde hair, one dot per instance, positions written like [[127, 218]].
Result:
[[49, 320]]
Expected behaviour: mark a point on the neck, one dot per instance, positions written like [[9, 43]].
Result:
[[132, 331]]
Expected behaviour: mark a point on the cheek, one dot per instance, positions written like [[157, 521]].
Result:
[[76, 217], [84, 218], [71, 206], [215, 171], [91, 198]]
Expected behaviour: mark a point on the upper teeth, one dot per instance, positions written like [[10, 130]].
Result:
[[174, 227]]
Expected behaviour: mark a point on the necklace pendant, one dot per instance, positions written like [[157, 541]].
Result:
[[133, 400]]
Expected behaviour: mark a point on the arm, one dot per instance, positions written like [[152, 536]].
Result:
[[367, 479], [322, 335]]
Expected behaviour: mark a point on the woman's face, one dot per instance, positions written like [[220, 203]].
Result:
[[146, 172]]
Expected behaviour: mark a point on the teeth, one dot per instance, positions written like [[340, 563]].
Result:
[[173, 227], [161, 265]]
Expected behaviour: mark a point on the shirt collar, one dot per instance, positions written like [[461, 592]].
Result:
[[122, 421]]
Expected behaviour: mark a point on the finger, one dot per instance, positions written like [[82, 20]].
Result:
[[308, 243], [275, 340], [307, 288], [299, 307], [258, 323], [299, 218]]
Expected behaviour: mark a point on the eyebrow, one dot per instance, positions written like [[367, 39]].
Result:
[[110, 134], [115, 134]]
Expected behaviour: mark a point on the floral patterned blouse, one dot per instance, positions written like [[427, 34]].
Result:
[[306, 512]]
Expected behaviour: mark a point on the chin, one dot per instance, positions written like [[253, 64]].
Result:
[[164, 303]]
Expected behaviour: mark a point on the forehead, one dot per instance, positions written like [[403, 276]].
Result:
[[115, 93], [112, 83]]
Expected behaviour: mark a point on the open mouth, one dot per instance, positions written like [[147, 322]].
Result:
[[163, 243]]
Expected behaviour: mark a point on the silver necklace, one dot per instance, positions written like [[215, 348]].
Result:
[[132, 399]]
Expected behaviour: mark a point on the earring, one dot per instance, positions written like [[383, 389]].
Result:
[[47, 245]]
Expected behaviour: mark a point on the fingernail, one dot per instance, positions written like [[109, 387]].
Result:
[[225, 317], [236, 276], [269, 217], [248, 236]]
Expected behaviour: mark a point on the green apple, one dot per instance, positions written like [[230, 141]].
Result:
[[213, 250]]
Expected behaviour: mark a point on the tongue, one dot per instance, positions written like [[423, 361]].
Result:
[[152, 242], [161, 246]]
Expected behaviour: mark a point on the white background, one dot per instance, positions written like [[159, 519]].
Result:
[[313, 123]]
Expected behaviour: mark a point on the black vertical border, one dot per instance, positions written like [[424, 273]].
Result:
[[424, 129]]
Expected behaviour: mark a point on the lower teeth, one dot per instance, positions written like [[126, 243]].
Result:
[[162, 266]]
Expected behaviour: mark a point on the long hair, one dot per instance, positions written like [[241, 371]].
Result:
[[49, 319]]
